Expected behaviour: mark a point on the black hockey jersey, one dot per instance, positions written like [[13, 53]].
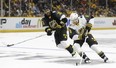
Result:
[[54, 19]]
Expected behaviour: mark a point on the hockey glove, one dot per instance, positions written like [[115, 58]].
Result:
[[88, 26], [48, 31], [80, 37], [81, 33]]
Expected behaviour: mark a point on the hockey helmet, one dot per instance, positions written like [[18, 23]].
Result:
[[73, 16]]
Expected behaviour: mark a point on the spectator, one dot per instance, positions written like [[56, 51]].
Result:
[[37, 7]]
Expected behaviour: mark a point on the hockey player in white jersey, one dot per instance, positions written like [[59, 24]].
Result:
[[79, 31]]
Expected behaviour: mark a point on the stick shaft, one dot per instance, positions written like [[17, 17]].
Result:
[[29, 39]]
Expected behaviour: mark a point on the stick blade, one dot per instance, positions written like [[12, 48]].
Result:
[[9, 45]]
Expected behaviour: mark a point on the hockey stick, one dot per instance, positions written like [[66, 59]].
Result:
[[80, 60], [9, 45]]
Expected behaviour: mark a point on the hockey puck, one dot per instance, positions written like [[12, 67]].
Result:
[[77, 64]]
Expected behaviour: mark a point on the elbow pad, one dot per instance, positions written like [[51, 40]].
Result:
[[63, 21]]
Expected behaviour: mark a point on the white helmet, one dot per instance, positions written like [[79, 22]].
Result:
[[73, 16]]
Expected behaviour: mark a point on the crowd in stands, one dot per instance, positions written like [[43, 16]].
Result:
[[35, 8]]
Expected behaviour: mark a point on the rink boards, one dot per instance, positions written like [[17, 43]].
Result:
[[34, 24]]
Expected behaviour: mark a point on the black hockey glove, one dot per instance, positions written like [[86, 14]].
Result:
[[48, 31], [88, 26], [81, 33]]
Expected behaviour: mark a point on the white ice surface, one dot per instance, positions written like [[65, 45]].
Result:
[[42, 52]]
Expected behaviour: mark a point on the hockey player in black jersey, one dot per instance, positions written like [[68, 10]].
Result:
[[79, 31], [56, 21]]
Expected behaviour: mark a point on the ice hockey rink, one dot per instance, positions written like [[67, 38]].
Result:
[[41, 52]]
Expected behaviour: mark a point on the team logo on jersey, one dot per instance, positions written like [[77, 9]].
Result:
[[53, 24]]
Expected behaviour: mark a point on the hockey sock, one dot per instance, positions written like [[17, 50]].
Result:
[[70, 49], [102, 55]]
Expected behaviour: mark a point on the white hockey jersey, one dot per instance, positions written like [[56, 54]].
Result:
[[81, 22]]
